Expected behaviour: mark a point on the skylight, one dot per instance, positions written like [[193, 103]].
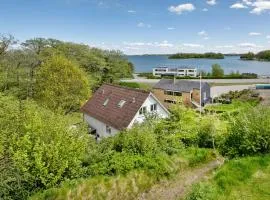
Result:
[[106, 102], [121, 103]]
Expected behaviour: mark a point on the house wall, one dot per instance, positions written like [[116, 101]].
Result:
[[161, 112], [184, 99], [99, 126], [196, 95]]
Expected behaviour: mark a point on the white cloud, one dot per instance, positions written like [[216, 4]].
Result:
[[249, 45], [143, 25], [268, 37], [182, 8], [228, 28], [247, 2], [193, 45], [171, 28], [238, 6], [202, 33], [211, 2], [224, 46], [165, 43], [205, 10], [260, 6], [254, 34], [132, 11]]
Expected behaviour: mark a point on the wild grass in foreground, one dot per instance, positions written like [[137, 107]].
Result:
[[129, 186], [242, 179]]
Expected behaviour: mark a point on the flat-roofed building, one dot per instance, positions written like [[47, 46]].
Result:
[[176, 71]]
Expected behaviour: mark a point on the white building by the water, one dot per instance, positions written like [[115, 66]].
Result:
[[179, 71]]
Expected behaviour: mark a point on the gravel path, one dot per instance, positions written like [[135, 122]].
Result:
[[178, 187]]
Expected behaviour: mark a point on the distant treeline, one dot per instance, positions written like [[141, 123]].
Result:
[[197, 55], [261, 56]]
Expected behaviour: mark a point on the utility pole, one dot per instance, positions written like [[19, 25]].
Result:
[[200, 93]]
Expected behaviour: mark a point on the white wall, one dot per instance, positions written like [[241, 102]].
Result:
[[161, 112], [99, 126]]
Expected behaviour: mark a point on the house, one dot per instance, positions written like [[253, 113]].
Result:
[[113, 108], [171, 91], [178, 71]]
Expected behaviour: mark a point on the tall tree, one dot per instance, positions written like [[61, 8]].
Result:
[[5, 42], [217, 71], [61, 84]]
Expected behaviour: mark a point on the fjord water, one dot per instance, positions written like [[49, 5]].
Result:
[[145, 63]]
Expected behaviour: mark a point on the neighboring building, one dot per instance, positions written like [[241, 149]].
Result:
[[170, 91], [179, 71], [114, 108]]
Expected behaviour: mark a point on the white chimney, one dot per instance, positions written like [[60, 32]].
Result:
[[133, 100]]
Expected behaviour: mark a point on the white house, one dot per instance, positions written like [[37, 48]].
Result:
[[114, 108], [178, 71]]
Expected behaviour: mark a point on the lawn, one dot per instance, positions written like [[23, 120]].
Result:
[[235, 106], [239, 179]]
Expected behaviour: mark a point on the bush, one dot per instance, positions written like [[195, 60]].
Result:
[[41, 146], [249, 134]]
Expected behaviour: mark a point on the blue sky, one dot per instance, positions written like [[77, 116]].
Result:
[[144, 26]]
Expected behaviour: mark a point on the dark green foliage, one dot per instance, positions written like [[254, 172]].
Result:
[[261, 56], [195, 55], [248, 56]]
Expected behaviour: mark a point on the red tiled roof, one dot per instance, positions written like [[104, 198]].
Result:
[[112, 114]]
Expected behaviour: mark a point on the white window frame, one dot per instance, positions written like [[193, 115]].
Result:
[[108, 129]]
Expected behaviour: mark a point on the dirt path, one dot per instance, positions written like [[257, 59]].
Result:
[[177, 188]]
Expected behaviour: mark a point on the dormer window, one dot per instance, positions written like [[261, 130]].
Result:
[[121, 103], [106, 102]]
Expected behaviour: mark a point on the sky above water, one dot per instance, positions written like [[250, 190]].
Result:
[[144, 26]]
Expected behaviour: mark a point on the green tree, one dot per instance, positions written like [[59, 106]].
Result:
[[61, 84], [217, 71]]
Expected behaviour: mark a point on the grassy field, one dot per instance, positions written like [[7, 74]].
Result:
[[235, 106], [239, 179]]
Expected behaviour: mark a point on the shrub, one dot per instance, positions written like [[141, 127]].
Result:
[[249, 134]]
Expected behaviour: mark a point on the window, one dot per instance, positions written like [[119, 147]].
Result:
[[106, 102], [178, 94], [154, 107], [121, 103], [108, 129], [142, 110], [170, 101], [167, 92]]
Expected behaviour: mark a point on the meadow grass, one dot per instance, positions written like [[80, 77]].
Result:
[[125, 187], [239, 179]]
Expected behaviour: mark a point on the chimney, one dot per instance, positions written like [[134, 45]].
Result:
[[133, 100], [103, 91]]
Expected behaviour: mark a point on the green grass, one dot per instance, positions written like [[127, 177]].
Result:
[[125, 187], [136, 85], [239, 179], [235, 106]]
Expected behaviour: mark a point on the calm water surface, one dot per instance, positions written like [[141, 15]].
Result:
[[229, 64]]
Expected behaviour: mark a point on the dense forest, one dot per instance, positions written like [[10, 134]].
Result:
[[47, 153], [196, 55], [261, 56]]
